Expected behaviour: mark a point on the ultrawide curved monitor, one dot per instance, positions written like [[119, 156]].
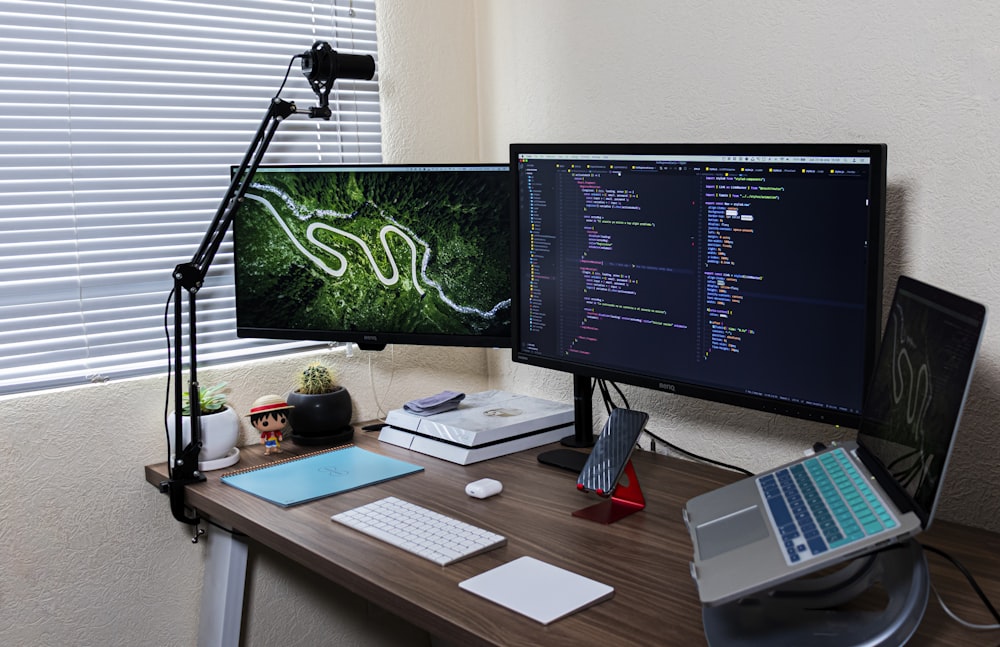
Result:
[[749, 274], [376, 254]]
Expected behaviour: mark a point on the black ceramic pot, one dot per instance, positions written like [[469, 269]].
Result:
[[322, 418]]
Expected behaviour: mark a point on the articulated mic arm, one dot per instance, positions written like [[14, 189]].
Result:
[[322, 66]]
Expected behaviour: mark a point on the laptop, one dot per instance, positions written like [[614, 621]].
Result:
[[857, 496]]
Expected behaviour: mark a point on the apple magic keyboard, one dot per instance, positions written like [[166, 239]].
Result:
[[425, 533]]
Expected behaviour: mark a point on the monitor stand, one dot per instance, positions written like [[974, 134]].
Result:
[[583, 430], [829, 611]]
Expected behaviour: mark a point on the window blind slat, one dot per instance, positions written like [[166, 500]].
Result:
[[121, 120]]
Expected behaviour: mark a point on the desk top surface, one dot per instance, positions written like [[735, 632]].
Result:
[[645, 556]]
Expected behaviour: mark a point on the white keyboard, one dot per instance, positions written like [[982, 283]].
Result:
[[423, 532]]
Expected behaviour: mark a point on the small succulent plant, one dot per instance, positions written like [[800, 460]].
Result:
[[212, 400], [316, 378]]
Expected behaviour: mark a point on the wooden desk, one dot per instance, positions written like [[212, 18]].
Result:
[[644, 557]]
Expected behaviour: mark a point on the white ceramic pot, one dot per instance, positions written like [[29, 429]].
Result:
[[219, 433]]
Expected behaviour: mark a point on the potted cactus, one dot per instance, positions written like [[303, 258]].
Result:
[[322, 409]]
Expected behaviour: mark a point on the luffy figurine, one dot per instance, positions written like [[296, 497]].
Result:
[[268, 415]]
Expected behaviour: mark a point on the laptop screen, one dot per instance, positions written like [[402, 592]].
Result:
[[921, 379]]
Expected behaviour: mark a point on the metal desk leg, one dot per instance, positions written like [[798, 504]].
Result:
[[222, 590]]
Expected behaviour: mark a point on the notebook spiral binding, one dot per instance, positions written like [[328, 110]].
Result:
[[247, 470]]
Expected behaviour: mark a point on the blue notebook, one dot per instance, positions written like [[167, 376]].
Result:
[[317, 475]]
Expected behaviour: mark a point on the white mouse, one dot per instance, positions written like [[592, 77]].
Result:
[[484, 488]]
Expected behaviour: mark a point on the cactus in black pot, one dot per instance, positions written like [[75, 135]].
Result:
[[322, 409]]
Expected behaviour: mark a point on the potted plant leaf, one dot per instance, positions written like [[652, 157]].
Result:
[[220, 428], [322, 409]]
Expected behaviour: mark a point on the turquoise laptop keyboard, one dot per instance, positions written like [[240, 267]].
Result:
[[822, 503]]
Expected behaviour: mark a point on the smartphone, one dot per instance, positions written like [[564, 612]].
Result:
[[612, 451]]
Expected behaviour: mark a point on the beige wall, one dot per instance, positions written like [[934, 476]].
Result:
[[922, 79], [89, 550]]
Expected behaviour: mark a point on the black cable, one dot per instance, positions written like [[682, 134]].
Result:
[[703, 459], [609, 404], [231, 531], [288, 71], [968, 576], [606, 393], [606, 396], [170, 371]]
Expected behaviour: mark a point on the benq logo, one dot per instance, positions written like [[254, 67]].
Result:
[[668, 387], [371, 337]]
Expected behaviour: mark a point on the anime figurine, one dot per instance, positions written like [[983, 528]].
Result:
[[269, 416]]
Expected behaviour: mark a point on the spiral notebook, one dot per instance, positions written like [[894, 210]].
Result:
[[318, 474]]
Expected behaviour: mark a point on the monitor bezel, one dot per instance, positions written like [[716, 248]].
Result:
[[375, 339], [874, 273]]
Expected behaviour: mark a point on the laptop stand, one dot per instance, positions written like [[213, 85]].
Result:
[[875, 600]]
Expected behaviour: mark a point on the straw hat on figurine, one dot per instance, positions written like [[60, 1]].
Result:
[[268, 403]]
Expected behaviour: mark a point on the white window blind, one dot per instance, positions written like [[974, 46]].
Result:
[[119, 121]]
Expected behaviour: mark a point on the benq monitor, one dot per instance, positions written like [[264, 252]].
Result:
[[749, 274], [376, 254]]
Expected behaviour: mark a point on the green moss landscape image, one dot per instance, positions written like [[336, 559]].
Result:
[[409, 252]]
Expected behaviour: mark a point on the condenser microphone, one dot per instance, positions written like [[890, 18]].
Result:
[[322, 65]]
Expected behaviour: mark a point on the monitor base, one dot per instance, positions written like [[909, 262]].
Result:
[[566, 459]]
